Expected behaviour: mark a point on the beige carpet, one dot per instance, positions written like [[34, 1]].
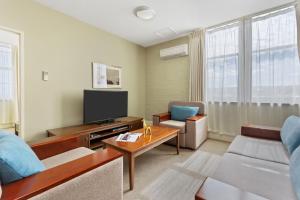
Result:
[[161, 174], [181, 181]]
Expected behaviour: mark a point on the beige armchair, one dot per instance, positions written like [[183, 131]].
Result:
[[193, 132]]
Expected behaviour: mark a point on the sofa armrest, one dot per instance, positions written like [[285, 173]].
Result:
[[157, 118], [213, 189], [195, 118], [54, 145], [38, 183], [263, 132]]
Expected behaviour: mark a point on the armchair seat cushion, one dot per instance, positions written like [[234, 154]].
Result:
[[174, 124], [269, 150], [66, 157]]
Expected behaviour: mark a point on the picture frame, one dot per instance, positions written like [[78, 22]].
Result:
[[106, 76]]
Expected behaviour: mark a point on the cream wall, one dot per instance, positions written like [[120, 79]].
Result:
[[65, 48], [166, 80]]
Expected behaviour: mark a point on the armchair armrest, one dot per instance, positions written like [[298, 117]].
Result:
[[195, 118], [263, 132], [163, 116], [38, 183], [54, 145]]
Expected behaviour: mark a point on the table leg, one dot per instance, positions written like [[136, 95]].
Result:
[[131, 170], [177, 143]]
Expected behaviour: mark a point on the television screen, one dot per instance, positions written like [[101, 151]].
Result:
[[104, 105]]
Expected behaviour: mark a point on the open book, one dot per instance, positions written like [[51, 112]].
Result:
[[128, 137]]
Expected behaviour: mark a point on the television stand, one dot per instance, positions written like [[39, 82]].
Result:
[[109, 121], [91, 135]]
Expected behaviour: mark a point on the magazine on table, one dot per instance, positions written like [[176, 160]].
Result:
[[128, 137]]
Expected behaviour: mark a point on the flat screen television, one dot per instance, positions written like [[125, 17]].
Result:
[[102, 106]]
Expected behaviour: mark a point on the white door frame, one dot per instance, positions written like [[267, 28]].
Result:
[[22, 77]]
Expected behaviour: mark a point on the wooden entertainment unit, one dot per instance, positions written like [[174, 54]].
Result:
[[91, 135]]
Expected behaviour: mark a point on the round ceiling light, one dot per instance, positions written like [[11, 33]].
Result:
[[145, 13]]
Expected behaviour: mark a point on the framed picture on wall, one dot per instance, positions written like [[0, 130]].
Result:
[[106, 76]]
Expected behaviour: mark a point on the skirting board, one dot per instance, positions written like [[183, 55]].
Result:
[[221, 137]]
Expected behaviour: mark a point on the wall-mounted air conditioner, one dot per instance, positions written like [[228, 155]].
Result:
[[173, 52]]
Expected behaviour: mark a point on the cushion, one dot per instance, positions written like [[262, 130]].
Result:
[[267, 179], [17, 160], [174, 124], [290, 133], [181, 113], [295, 171], [259, 148], [66, 157]]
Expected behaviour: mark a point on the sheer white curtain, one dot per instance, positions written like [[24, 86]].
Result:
[[222, 80], [253, 71], [275, 62], [8, 93]]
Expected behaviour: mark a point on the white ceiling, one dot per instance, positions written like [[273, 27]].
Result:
[[181, 16]]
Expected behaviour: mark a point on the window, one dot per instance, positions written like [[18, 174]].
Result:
[[222, 50], [6, 72], [270, 72], [275, 64]]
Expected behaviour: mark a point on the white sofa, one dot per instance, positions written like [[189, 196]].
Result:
[[257, 162]]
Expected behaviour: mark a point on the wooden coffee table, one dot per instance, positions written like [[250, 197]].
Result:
[[142, 145]]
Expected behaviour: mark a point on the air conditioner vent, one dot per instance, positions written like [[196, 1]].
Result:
[[174, 52]]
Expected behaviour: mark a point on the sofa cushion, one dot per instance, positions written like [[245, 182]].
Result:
[[290, 133], [267, 179], [17, 160], [181, 113], [174, 124], [66, 157], [295, 171], [259, 148]]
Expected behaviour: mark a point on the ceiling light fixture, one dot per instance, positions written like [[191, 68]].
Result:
[[145, 13]]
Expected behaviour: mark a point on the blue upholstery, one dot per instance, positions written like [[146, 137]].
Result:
[[181, 113], [295, 171], [17, 160], [290, 133]]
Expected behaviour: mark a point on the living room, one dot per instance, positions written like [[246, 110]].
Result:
[[162, 99]]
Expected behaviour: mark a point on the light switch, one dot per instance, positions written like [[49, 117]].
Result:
[[45, 76]]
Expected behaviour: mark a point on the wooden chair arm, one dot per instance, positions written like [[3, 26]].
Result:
[[38, 183], [263, 132], [195, 118], [163, 116], [52, 146]]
